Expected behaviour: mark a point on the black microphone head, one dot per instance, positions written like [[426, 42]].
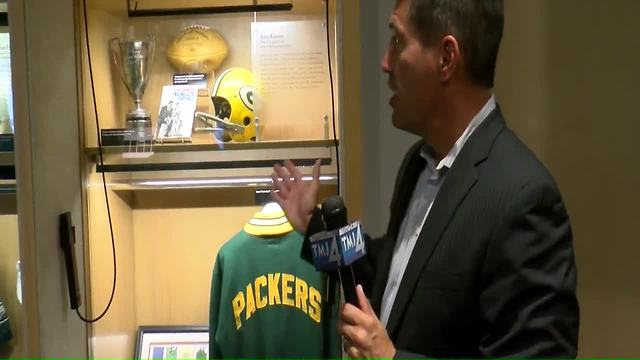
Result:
[[334, 213]]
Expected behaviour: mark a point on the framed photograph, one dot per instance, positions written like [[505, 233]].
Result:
[[172, 342]]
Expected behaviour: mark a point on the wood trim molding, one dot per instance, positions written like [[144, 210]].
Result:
[[26, 211]]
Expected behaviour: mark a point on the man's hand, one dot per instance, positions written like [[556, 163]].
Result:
[[296, 197], [365, 335]]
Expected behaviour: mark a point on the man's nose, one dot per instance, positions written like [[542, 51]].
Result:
[[385, 64]]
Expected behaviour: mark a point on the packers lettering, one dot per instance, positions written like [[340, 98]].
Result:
[[276, 289]]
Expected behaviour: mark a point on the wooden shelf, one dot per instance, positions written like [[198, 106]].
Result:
[[187, 147], [204, 165], [185, 198], [168, 157], [229, 165], [7, 185]]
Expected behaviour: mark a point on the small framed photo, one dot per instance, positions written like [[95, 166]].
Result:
[[172, 342], [177, 108]]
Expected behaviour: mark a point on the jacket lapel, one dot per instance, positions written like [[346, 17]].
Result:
[[461, 178]]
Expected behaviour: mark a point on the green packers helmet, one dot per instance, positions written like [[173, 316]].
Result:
[[234, 99]]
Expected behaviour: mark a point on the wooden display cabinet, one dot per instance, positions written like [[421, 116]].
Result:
[[171, 211]]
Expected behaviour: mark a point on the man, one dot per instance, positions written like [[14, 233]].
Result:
[[164, 120], [478, 257], [169, 121]]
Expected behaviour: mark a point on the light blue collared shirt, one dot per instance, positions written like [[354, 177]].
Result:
[[427, 186]]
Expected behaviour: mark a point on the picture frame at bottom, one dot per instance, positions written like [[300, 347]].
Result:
[[172, 342]]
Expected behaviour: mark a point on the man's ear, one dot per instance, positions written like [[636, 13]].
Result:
[[450, 57]]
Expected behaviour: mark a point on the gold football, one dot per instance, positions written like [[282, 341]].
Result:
[[197, 49]]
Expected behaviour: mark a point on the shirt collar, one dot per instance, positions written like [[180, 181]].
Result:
[[448, 160]]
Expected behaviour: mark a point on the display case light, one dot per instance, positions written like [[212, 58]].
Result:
[[239, 181]]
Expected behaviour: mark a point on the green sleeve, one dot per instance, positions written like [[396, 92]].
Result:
[[214, 308]]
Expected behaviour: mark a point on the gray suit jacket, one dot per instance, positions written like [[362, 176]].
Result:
[[493, 271]]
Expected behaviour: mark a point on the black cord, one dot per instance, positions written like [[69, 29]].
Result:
[[104, 181], [332, 289], [333, 101]]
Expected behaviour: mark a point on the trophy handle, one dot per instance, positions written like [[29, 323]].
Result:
[[151, 38], [150, 52], [116, 57]]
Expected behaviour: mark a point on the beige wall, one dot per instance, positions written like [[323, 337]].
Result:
[[114, 335], [175, 250], [9, 255], [568, 80]]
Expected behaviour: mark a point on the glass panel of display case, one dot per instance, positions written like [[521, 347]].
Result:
[[11, 325]]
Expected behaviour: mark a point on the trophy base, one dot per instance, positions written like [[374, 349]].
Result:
[[141, 126], [140, 141]]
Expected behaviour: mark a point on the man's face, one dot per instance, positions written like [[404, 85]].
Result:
[[412, 69]]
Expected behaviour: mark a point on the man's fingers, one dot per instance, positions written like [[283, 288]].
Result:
[[351, 315], [277, 184], [355, 337], [275, 195], [293, 170], [363, 302], [283, 174], [315, 181], [350, 333], [351, 350]]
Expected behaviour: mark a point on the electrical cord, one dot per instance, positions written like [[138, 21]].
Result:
[[333, 102], [335, 137], [104, 181]]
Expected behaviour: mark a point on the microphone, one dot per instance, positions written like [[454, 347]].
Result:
[[339, 246]]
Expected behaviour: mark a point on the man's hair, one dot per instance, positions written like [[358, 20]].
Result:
[[477, 24]]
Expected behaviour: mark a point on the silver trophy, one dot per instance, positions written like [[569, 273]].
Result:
[[133, 60]]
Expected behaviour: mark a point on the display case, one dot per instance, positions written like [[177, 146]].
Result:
[[175, 197]]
